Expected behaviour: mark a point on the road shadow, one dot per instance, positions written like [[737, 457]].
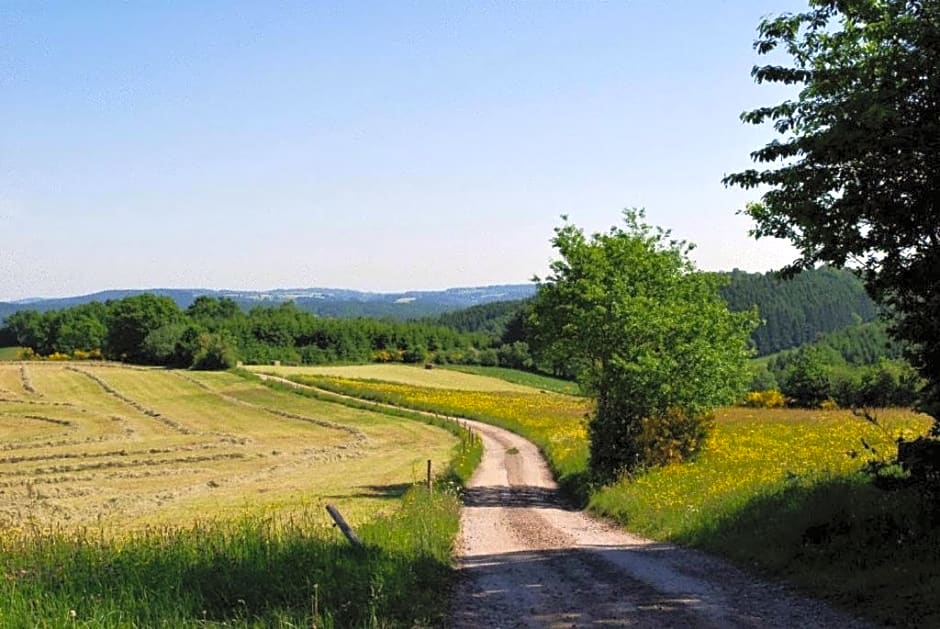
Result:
[[518, 496], [647, 585], [566, 588], [385, 492]]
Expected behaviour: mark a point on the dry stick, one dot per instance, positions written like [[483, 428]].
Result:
[[430, 482], [343, 526]]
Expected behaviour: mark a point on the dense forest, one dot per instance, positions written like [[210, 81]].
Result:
[[798, 310]]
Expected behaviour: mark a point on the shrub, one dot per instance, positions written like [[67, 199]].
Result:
[[416, 354], [214, 353], [806, 381], [489, 357], [771, 398], [27, 353]]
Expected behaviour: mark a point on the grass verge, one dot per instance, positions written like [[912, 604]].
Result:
[[254, 572]]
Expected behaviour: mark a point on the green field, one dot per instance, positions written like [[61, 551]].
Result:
[[787, 476], [526, 378], [9, 353]]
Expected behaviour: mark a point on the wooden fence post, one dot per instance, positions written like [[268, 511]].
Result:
[[343, 526], [430, 481]]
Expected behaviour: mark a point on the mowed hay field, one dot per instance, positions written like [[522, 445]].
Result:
[[123, 447], [403, 374]]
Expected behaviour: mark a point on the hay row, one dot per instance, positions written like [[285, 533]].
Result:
[[359, 436], [27, 382], [170, 423], [58, 469]]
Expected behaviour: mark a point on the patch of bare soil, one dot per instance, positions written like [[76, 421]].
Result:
[[528, 560]]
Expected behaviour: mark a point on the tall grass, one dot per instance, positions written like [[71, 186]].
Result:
[[257, 571], [873, 551]]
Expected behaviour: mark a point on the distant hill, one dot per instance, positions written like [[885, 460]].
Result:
[[327, 302]]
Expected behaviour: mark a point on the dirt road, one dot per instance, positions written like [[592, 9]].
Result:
[[527, 560]]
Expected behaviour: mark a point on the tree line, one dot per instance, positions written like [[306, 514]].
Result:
[[214, 333]]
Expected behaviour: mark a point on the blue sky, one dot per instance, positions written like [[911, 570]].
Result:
[[376, 146]]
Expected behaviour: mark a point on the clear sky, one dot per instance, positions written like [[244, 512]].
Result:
[[374, 146]]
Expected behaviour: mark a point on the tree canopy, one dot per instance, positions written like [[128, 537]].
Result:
[[651, 338], [854, 178]]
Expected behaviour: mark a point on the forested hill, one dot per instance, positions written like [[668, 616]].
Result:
[[794, 312], [489, 318], [797, 311]]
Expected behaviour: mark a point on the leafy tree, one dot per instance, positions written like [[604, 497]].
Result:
[[7, 337], [173, 344], [214, 352], [29, 329], [806, 381], [762, 379], [415, 354], [889, 383], [210, 311], [131, 319], [488, 357], [853, 179], [650, 335], [515, 355], [79, 328]]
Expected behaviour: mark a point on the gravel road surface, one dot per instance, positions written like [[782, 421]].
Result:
[[526, 559]]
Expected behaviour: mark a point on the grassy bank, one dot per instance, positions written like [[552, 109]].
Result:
[[254, 572], [779, 490], [776, 490]]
